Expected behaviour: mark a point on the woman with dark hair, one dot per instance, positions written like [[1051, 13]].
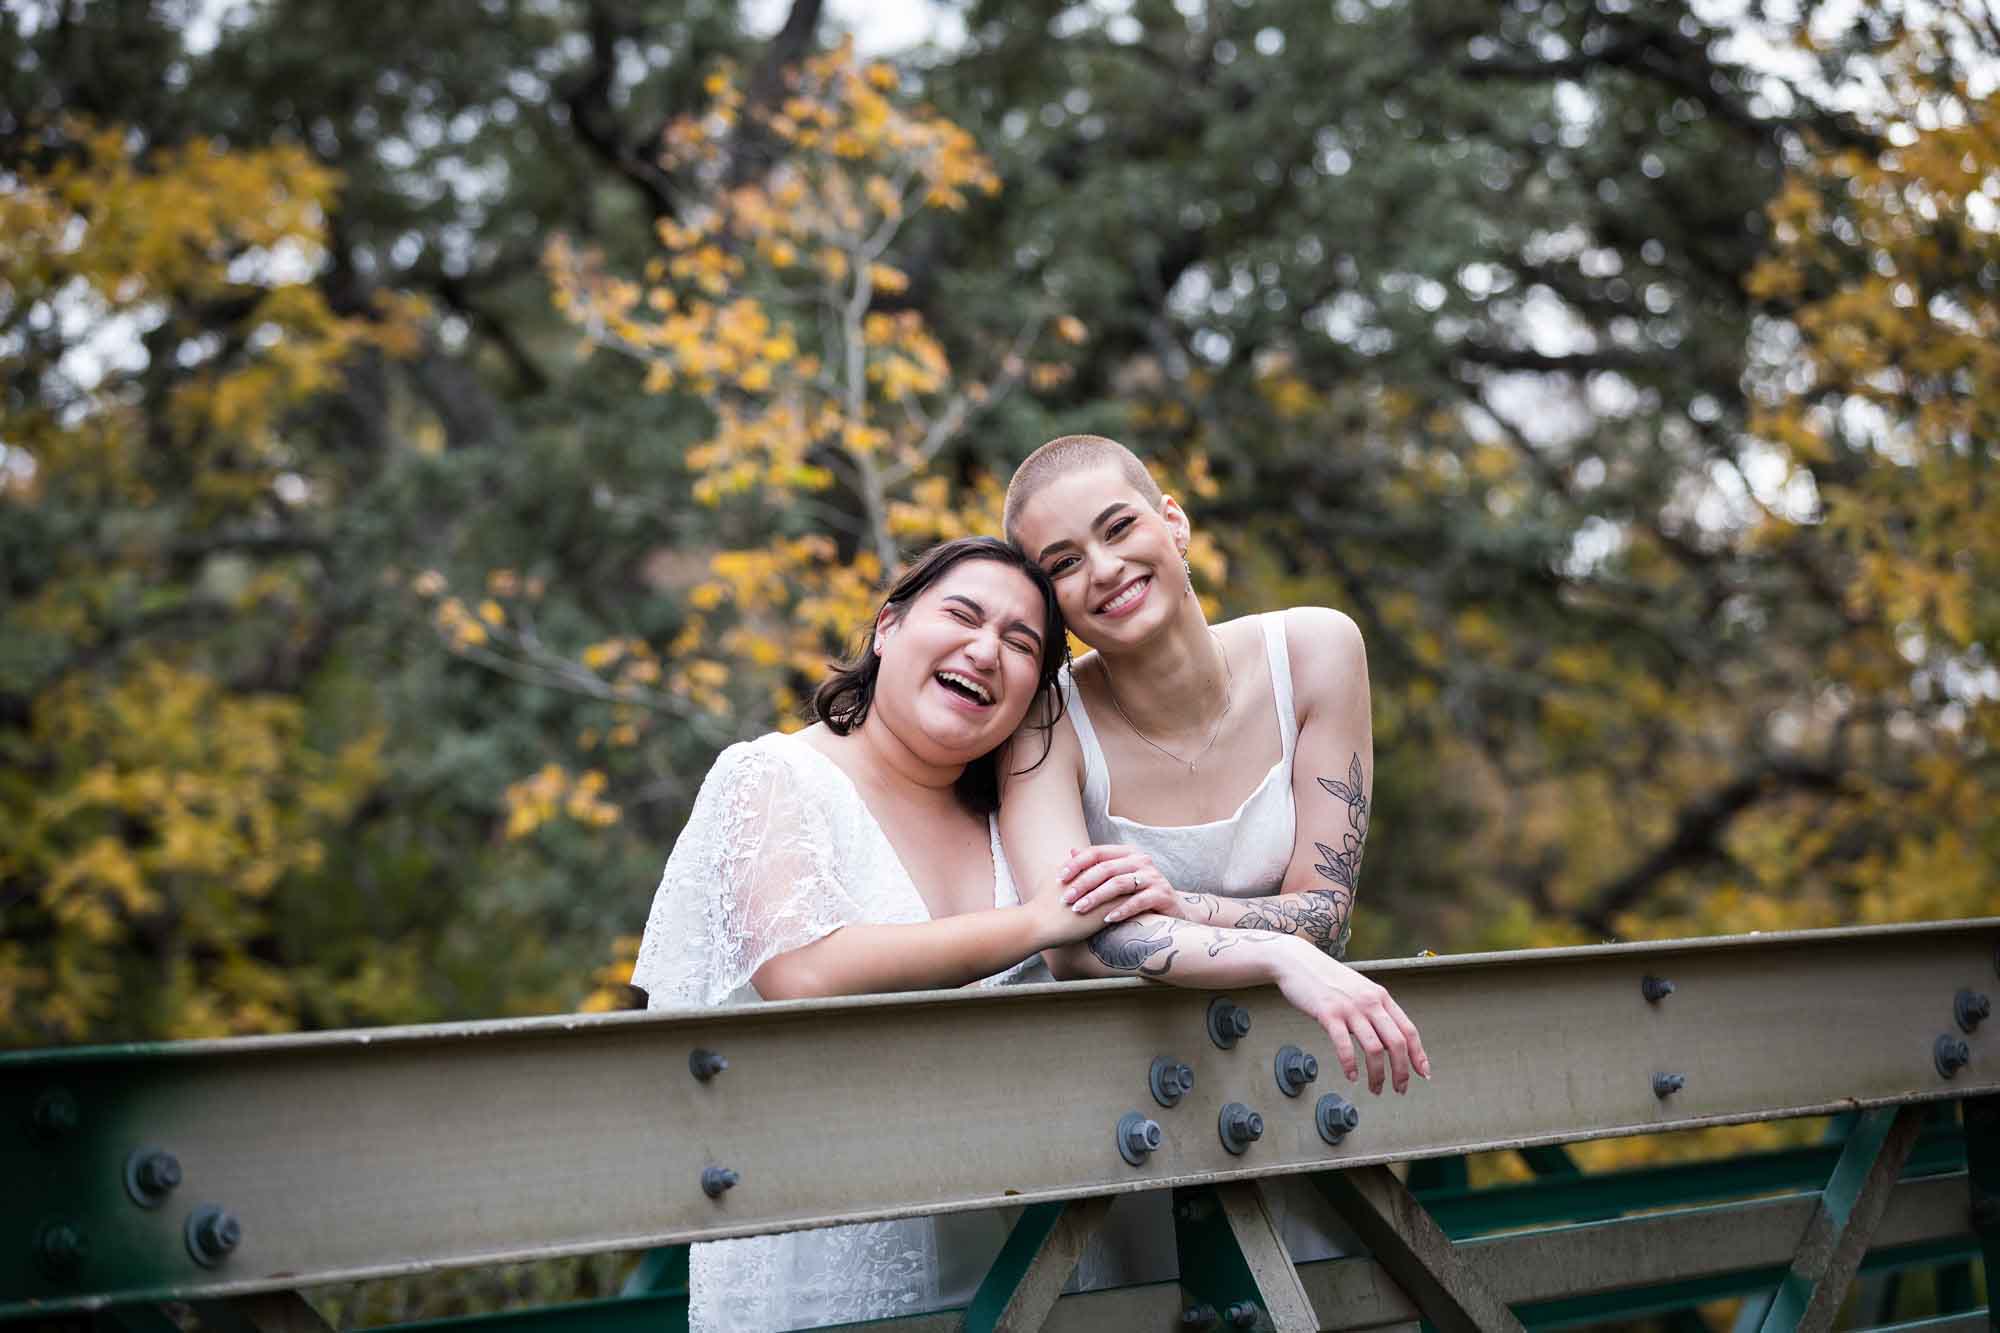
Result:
[[856, 856]]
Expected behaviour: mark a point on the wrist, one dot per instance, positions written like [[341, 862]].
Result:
[[1202, 909], [1048, 923], [1287, 954]]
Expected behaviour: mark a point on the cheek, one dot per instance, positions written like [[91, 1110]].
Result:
[[1024, 673], [897, 678]]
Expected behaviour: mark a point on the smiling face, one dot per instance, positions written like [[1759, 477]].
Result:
[[1116, 561], [962, 663]]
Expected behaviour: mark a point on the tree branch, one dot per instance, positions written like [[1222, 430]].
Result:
[[1698, 832]]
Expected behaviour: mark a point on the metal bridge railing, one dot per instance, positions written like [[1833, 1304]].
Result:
[[231, 1174]]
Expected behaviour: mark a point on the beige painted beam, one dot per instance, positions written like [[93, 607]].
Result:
[[1414, 1249], [1034, 1292], [1248, 1211], [369, 1154]]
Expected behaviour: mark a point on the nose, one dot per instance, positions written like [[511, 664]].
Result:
[[1102, 564], [983, 649]]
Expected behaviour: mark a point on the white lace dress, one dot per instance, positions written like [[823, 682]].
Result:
[[779, 851]]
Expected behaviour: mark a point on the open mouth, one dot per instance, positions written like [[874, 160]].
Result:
[[1126, 597], [965, 687]]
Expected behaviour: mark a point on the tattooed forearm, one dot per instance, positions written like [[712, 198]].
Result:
[[1130, 945], [1318, 914], [1226, 940], [1203, 903]]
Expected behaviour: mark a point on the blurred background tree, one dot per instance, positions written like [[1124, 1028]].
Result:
[[429, 433]]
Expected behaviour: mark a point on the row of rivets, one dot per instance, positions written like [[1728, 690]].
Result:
[[1969, 1008], [212, 1233], [1237, 1125], [60, 1246], [705, 1064], [1656, 989]]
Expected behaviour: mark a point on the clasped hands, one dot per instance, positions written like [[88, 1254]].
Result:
[[1353, 1011]]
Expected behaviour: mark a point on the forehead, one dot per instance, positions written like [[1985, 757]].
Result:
[[1067, 505], [1000, 590]]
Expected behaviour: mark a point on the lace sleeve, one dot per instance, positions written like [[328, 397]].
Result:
[[764, 865]]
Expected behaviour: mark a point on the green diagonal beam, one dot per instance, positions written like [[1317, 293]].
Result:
[[1849, 1207]]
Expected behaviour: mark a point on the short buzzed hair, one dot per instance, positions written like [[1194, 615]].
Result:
[[1066, 454]]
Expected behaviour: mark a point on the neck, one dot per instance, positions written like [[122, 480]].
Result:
[[876, 754], [1176, 682]]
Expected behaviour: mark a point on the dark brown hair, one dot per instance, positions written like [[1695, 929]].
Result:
[[844, 697]]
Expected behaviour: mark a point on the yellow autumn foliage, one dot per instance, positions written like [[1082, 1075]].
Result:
[[745, 280]]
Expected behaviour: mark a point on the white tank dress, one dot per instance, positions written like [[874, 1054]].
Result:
[[1243, 856]]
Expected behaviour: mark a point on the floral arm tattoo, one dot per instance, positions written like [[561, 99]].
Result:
[[1322, 915], [1131, 946]]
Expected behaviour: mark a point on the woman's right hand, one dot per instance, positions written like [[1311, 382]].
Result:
[[1353, 1011], [1096, 877], [1058, 922]]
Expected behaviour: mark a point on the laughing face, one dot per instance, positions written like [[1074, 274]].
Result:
[[1115, 560], [961, 665]]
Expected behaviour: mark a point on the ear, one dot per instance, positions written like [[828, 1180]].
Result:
[[1177, 522], [886, 621]]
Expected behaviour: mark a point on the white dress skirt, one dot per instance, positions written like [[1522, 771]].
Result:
[[779, 851]]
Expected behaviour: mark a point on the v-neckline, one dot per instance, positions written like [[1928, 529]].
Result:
[[909, 880]]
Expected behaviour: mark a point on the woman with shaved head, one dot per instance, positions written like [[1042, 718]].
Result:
[[1214, 778]]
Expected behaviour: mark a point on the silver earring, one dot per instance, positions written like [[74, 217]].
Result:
[[1188, 569]]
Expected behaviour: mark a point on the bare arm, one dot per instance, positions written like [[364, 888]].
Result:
[[946, 951]]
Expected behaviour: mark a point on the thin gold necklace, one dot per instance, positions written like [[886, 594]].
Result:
[[1228, 698]]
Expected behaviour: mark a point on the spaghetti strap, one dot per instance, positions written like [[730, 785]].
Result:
[[1096, 773], [1281, 677]]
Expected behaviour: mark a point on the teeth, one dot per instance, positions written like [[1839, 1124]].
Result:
[[984, 695], [1125, 598]]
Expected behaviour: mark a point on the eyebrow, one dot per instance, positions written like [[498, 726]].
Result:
[[980, 611], [1095, 523]]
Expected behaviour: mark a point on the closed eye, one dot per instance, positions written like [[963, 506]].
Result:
[[1117, 529]]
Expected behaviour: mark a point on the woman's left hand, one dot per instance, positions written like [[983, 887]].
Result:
[[1095, 876]]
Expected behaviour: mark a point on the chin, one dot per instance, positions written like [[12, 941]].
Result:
[[952, 741]]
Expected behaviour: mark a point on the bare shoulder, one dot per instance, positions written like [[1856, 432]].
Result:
[[1327, 654], [1321, 630]]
